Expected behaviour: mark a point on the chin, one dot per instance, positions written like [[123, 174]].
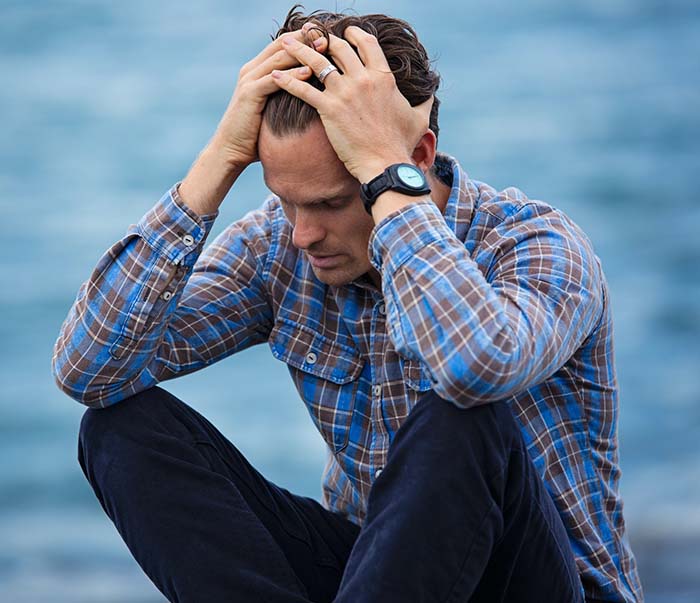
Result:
[[336, 277]]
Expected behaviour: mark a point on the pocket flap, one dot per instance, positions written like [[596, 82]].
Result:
[[305, 349]]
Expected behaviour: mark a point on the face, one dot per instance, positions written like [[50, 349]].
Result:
[[321, 200]]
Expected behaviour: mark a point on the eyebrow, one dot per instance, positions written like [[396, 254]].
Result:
[[317, 200]]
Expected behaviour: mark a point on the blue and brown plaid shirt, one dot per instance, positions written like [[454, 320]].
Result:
[[502, 297]]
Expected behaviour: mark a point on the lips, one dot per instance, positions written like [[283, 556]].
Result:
[[323, 261]]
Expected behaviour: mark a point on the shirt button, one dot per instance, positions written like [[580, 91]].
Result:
[[188, 240], [377, 390], [311, 358], [166, 295], [377, 473], [382, 309]]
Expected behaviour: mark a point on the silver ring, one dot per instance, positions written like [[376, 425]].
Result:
[[324, 72]]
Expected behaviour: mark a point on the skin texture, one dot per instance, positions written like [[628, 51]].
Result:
[[339, 225], [321, 200]]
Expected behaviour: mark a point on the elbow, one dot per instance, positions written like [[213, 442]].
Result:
[[66, 380], [469, 380], [467, 392], [78, 394]]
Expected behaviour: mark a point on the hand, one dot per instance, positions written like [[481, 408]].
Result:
[[237, 133], [234, 145], [367, 120]]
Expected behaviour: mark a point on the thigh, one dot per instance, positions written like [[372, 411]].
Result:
[[315, 541]]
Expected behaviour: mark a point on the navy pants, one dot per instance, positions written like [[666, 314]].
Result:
[[458, 514]]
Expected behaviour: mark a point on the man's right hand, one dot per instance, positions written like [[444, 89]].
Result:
[[234, 145]]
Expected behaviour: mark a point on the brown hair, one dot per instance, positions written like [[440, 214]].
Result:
[[407, 58]]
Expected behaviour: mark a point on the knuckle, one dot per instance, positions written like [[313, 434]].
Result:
[[364, 80], [244, 70]]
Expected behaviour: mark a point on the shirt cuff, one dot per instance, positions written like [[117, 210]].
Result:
[[403, 233], [173, 229]]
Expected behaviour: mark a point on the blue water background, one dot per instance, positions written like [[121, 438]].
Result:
[[592, 106]]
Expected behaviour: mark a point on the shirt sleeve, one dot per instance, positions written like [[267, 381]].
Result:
[[157, 306], [493, 327]]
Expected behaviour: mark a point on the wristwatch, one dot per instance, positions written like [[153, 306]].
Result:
[[403, 177]]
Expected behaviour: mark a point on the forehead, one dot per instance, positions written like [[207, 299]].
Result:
[[303, 168]]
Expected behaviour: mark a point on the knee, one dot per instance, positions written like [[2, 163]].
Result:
[[100, 428], [491, 423]]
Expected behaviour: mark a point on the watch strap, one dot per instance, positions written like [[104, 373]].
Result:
[[389, 180]]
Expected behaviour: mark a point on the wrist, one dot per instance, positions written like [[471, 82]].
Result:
[[370, 169], [220, 153], [208, 181]]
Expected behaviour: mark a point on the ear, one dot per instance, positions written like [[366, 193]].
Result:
[[424, 152]]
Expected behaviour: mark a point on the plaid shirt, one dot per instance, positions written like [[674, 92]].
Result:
[[500, 298]]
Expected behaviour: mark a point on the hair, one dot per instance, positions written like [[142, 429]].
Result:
[[284, 113]]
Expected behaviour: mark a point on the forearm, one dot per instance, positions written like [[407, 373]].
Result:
[[209, 179], [116, 324], [491, 325]]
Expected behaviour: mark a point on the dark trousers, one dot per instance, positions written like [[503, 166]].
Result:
[[458, 514]]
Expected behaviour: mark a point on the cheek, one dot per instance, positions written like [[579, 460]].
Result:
[[357, 235], [288, 212]]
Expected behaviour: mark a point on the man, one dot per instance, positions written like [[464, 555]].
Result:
[[453, 346]]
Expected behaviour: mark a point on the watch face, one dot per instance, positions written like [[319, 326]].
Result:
[[411, 176]]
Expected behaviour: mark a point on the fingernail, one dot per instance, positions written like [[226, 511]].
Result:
[[304, 70], [276, 74], [318, 43]]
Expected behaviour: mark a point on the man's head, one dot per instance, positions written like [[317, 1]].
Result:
[[407, 58], [320, 197]]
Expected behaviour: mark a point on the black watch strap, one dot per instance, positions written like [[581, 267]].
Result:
[[403, 177]]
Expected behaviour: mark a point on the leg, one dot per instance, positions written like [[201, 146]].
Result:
[[202, 523], [459, 514]]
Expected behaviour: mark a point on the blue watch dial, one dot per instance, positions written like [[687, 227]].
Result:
[[411, 176]]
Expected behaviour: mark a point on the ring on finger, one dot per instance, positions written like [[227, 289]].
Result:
[[325, 72]]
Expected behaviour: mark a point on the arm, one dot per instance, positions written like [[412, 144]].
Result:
[[148, 313], [485, 336], [154, 308]]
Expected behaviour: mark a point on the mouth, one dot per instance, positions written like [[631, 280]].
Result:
[[324, 261]]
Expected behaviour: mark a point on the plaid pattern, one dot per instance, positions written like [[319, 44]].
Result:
[[501, 298]]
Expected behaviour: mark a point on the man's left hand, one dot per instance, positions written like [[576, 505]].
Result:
[[368, 121]]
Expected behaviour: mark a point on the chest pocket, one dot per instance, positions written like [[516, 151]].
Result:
[[325, 374]]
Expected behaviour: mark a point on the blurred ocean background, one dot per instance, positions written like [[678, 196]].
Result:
[[592, 106]]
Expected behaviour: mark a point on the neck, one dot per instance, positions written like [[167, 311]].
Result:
[[440, 192]]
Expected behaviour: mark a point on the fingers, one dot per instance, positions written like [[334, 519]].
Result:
[[279, 60], [343, 54], [308, 56], [368, 47], [269, 50], [300, 89], [268, 84]]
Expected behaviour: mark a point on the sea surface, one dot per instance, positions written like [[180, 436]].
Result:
[[592, 106]]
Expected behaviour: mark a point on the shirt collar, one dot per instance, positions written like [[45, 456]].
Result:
[[458, 210], [463, 194]]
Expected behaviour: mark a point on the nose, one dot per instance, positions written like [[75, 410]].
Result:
[[307, 229]]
